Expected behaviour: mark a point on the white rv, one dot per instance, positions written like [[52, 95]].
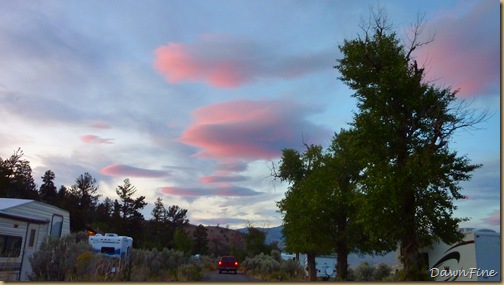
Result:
[[111, 245], [324, 264], [476, 258], [24, 224]]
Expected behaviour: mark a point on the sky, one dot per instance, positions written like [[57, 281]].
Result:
[[193, 101]]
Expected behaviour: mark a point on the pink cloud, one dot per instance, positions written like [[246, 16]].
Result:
[[222, 178], [96, 139], [228, 191], [130, 171], [100, 125], [250, 130], [229, 62], [493, 219], [465, 54]]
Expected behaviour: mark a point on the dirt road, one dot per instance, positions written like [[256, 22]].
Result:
[[228, 277]]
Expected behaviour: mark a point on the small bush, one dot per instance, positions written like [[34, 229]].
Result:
[[268, 268], [189, 272], [57, 258]]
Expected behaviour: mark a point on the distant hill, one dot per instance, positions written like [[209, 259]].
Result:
[[272, 234], [227, 236], [354, 260]]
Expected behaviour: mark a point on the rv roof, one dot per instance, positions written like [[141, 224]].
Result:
[[6, 203], [23, 218]]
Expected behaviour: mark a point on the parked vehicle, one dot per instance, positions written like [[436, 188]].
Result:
[[324, 264], [227, 263], [24, 224], [476, 258], [112, 245]]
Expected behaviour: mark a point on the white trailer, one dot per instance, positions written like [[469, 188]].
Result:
[[325, 265], [112, 245], [476, 258], [24, 224]]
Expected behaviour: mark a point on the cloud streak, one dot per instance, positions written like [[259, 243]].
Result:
[[227, 191], [130, 171], [250, 130], [92, 139], [493, 219], [218, 178], [230, 62]]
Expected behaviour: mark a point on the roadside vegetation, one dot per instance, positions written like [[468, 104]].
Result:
[[71, 259]]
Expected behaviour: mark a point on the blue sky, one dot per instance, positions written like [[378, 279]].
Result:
[[194, 100]]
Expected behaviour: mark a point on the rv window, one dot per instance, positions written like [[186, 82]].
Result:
[[108, 250], [10, 246], [32, 237], [56, 225]]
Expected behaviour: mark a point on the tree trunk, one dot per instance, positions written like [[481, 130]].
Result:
[[409, 242], [342, 265], [312, 269]]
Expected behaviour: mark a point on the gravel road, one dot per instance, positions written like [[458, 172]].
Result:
[[228, 277]]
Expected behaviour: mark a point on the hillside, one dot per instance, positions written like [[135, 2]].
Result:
[[223, 238]]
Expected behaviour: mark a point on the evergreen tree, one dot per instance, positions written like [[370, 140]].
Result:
[[47, 190], [16, 180], [200, 240], [131, 220], [82, 200]]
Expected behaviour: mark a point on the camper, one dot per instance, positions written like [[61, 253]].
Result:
[[324, 264], [111, 245], [24, 224], [476, 258]]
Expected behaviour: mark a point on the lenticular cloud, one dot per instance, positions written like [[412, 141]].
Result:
[[230, 62], [251, 130]]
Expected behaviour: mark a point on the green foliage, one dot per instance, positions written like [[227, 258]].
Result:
[[269, 268], [182, 242], [410, 176], [364, 272], [81, 201], [255, 241], [382, 272], [57, 258], [16, 180], [71, 259], [47, 190], [367, 272], [127, 212], [200, 240]]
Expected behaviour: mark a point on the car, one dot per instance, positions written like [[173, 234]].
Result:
[[227, 263]]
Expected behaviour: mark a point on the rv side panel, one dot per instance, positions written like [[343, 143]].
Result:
[[487, 254], [12, 235]]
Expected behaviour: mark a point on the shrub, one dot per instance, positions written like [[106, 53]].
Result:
[[268, 268], [189, 272], [381, 272], [57, 258]]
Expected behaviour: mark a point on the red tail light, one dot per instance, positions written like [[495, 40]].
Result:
[[220, 262], [236, 263]]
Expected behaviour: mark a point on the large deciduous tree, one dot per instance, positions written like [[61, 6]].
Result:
[[304, 222], [410, 176], [320, 208]]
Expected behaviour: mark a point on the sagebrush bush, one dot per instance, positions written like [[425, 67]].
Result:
[[71, 259], [268, 268], [57, 258]]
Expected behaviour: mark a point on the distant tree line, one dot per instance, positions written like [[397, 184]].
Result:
[[168, 227]]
